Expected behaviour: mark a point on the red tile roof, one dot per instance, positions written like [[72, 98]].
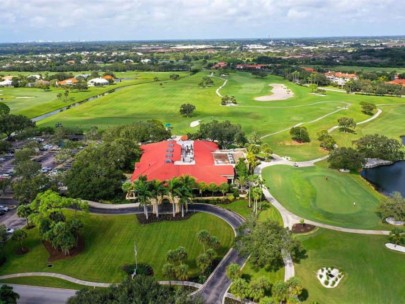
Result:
[[341, 75], [153, 163], [311, 70], [398, 81]]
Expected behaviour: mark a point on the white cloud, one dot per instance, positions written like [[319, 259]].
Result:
[[94, 19]]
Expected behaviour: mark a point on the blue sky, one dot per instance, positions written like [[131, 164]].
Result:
[[55, 20]]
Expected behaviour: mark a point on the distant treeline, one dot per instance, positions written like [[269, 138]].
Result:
[[385, 57], [116, 67]]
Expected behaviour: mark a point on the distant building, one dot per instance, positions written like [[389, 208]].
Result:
[[398, 82], [200, 159], [145, 61], [6, 82], [340, 78], [250, 66], [220, 65], [67, 82], [97, 82], [310, 70]]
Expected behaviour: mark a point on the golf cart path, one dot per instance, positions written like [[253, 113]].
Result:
[[379, 111], [220, 88]]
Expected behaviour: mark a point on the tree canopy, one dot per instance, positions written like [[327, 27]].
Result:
[[392, 206], [141, 289], [224, 132], [345, 158], [380, 146], [187, 109], [300, 134], [266, 244]]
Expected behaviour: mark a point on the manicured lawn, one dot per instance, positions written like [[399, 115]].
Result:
[[109, 243], [373, 274], [242, 208], [33, 102], [325, 195], [162, 102]]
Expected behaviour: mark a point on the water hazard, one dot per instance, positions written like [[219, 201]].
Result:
[[387, 179]]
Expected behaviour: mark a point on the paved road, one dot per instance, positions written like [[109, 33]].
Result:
[[42, 295]]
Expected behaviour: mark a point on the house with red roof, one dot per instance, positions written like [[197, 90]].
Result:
[[398, 81], [340, 78], [200, 159], [220, 65], [250, 66]]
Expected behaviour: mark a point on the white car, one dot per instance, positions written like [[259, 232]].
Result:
[[5, 208], [10, 230], [45, 169]]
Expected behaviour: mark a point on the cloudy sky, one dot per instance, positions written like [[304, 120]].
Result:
[[57, 20]]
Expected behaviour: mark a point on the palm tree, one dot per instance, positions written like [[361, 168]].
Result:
[[158, 190], [202, 187], [189, 183], [172, 186], [143, 194], [256, 194]]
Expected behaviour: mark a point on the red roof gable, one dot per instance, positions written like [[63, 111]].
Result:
[[153, 163], [398, 81]]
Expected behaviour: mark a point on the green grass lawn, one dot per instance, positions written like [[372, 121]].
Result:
[[373, 274], [109, 243], [33, 102], [242, 208], [307, 193], [162, 102]]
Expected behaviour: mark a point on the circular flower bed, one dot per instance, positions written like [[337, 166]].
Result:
[[329, 277]]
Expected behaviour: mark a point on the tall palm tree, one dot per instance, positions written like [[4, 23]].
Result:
[[158, 190], [172, 187], [188, 184], [256, 194], [143, 193]]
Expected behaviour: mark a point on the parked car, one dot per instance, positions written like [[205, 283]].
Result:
[[2, 212], [10, 230], [5, 208], [45, 169]]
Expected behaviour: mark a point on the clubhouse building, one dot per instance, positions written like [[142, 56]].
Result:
[[201, 159]]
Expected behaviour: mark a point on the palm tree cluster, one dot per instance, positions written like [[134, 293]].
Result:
[[178, 190]]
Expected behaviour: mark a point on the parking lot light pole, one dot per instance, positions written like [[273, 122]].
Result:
[[136, 261]]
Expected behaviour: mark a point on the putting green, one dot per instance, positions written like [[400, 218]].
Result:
[[325, 195]]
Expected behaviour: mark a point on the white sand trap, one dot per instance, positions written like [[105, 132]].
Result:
[[280, 92], [195, 123], [24, 97], [395, 247]]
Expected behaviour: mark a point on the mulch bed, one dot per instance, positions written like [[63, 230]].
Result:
[[21, 251], [55, 255], [163, 217], [302, 228]]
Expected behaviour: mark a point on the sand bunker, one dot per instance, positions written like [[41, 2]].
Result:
[[24, 97], [280, 92], [195, 123]]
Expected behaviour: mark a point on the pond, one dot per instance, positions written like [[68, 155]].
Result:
[[387, 179]]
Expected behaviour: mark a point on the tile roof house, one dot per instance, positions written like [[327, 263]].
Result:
[[200, 159]]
